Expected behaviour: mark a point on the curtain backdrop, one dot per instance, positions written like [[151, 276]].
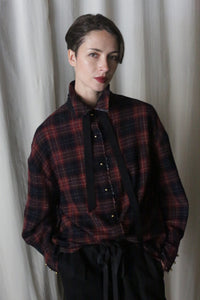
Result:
[[161, 66]]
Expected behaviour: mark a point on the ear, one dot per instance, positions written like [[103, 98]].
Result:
[[72, 58]]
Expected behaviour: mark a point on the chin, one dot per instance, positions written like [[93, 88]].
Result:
[[102, 87]]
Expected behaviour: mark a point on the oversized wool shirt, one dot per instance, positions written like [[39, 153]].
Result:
[[57, 218]]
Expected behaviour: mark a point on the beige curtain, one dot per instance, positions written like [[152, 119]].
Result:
[[161, 66]]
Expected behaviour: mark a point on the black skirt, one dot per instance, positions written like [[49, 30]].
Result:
[[111, 271]]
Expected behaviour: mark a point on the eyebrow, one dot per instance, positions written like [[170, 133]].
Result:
[[98, 50]]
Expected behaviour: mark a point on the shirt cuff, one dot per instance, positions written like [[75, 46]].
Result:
[[51, 260], [168, 256]]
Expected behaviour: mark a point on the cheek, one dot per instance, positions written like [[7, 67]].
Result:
[[86, 66], [113, 68]]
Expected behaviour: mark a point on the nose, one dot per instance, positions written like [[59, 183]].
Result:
[[103, 64]]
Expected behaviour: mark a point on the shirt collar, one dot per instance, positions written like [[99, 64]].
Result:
[[80, 108]]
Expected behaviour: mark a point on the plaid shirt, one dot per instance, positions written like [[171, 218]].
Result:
[[57, 218]]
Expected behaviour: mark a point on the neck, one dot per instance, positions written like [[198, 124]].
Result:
[[92, 101], [89, 99]]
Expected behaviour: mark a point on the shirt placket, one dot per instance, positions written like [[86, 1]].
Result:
[[104, 188]]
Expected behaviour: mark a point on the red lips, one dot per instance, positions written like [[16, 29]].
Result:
[[101, 79]]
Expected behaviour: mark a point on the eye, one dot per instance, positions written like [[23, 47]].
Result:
[[114, 58], [93, 54]]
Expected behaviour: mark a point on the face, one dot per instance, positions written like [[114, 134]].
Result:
[[95, 63]]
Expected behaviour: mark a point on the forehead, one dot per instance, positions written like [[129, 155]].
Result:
[[100, 37]]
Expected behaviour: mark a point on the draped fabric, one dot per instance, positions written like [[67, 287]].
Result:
[[161, 66]]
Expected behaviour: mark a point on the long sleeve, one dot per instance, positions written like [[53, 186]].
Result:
[[40, 210], [174, 203]]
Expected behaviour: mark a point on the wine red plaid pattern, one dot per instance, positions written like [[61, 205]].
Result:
[[56, 214]]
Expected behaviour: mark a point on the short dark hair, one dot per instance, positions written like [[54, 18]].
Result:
[[86, 23]]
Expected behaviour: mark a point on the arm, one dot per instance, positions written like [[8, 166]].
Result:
[[40, 210], [174, 203]]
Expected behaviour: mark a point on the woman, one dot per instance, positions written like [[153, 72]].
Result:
[[105, 206]]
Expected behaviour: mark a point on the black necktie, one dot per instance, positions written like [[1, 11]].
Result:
[[109, 132]]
